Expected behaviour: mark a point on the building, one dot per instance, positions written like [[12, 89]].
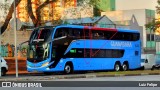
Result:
[[130, 24], [143, 16], [100, 21]]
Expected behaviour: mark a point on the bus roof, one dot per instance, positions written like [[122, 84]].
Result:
[[97, 28]]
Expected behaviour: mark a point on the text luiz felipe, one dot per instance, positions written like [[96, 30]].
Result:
[[15, 84]]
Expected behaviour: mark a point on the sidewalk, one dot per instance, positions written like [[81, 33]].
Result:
[[19, 72], [37, 76]]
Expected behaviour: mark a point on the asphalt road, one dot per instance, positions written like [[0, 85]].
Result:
[[118, 78], [121, 78]]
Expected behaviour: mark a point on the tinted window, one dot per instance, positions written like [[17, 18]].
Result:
[[43, 34], [96, 34], [112, 35], [96, 53], [69, 32], [125, 36]]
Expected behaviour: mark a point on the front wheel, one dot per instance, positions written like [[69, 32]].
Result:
[[68, 69]]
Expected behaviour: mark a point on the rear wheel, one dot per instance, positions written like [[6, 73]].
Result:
[[68, 69], [117, 67], [125, 67]]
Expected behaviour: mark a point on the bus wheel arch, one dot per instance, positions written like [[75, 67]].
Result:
[[125, 66], [117, 66], [68, 69]]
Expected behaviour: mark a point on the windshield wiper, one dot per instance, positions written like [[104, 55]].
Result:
[[38, 40]]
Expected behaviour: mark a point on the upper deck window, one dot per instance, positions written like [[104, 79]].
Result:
[[96, 34]]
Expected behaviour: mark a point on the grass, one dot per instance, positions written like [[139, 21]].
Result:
[[131, 72]]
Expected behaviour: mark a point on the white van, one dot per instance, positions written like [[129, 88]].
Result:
[[157, 62], [147, 61], [4, 66]]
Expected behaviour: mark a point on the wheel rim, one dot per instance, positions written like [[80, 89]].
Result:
[[67, 69], [117, 67], [125, 67]]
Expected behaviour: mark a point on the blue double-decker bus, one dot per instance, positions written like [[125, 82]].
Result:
[[70, 48]]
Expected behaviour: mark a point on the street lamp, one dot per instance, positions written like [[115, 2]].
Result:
[[15, 39]]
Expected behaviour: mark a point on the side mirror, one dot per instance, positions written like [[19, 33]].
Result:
[[146, 61]]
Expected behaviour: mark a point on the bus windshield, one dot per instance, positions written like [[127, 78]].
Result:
[[39, 45], [40, 35]]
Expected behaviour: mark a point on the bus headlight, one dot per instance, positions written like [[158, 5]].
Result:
[[45, 64]]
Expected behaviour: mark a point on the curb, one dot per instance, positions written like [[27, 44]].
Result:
[[21, 73]]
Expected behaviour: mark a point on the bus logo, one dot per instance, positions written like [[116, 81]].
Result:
[[121, 44]]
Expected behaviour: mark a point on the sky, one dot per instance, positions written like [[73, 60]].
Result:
[[135, 4]]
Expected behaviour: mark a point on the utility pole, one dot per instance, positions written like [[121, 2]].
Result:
[[15, 39], [0, 53]]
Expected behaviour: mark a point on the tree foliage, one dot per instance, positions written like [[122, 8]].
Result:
[[155, 23], [9, 15], [35, 19]]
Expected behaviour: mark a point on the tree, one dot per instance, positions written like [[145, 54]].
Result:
[[155, 23], [37, 22], [35, 19], [98, 5], [9, 16]]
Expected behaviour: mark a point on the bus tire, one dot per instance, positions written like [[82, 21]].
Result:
[[125, 66], [68, 69], [117, 66]]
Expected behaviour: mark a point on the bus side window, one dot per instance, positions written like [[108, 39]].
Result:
[[96, 35], [109, 35], [58, 34], [86, 34], [70, 32], [135, 36], [61, 32], [76, 33]]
